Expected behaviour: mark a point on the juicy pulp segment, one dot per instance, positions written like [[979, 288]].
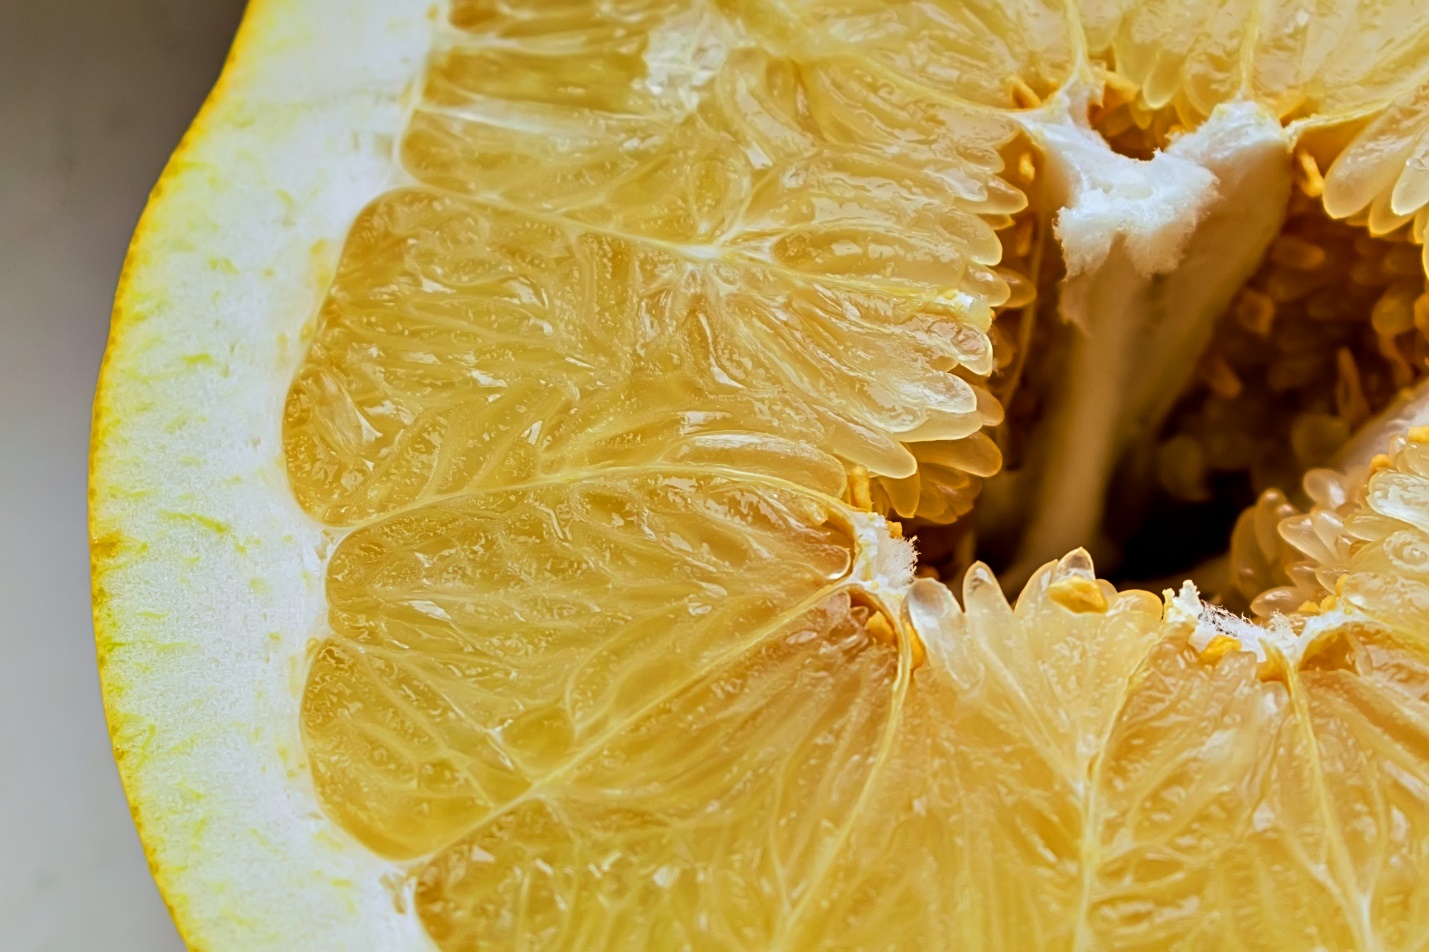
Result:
[[463, 724], [609, 657], [1301, 60], [775, 298]]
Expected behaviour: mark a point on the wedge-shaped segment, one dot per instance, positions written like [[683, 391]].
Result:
[[671, 228], [589, 695], [1321, 59], [466, 346]]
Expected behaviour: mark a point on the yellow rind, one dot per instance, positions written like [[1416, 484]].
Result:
[[195, 540]]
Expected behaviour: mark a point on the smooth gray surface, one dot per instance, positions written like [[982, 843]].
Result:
[[94, 95]]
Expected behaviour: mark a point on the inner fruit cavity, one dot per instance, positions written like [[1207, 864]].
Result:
[[1191, 333]]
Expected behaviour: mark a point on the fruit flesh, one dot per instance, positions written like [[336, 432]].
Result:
[[602, 663]]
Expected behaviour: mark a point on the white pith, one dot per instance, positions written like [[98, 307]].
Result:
[[1207, 622], [1155, 250], [222, 281], [884, 567]]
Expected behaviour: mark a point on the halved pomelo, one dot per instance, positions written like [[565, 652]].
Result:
[[516, 409]]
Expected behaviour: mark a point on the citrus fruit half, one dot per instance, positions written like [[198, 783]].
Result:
[[626, 475]]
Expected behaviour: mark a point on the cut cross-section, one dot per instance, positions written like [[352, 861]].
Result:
[[585, 618]]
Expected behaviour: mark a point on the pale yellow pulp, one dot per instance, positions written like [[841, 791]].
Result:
[[607, 664]]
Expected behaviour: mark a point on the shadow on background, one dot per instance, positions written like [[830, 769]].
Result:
[[94, 95]]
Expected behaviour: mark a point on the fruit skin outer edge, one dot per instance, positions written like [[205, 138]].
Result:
[[207, 578]]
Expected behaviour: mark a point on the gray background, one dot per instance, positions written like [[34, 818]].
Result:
[[94, 95]]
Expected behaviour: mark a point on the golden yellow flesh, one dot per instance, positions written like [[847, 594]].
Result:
[[605, 661]]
